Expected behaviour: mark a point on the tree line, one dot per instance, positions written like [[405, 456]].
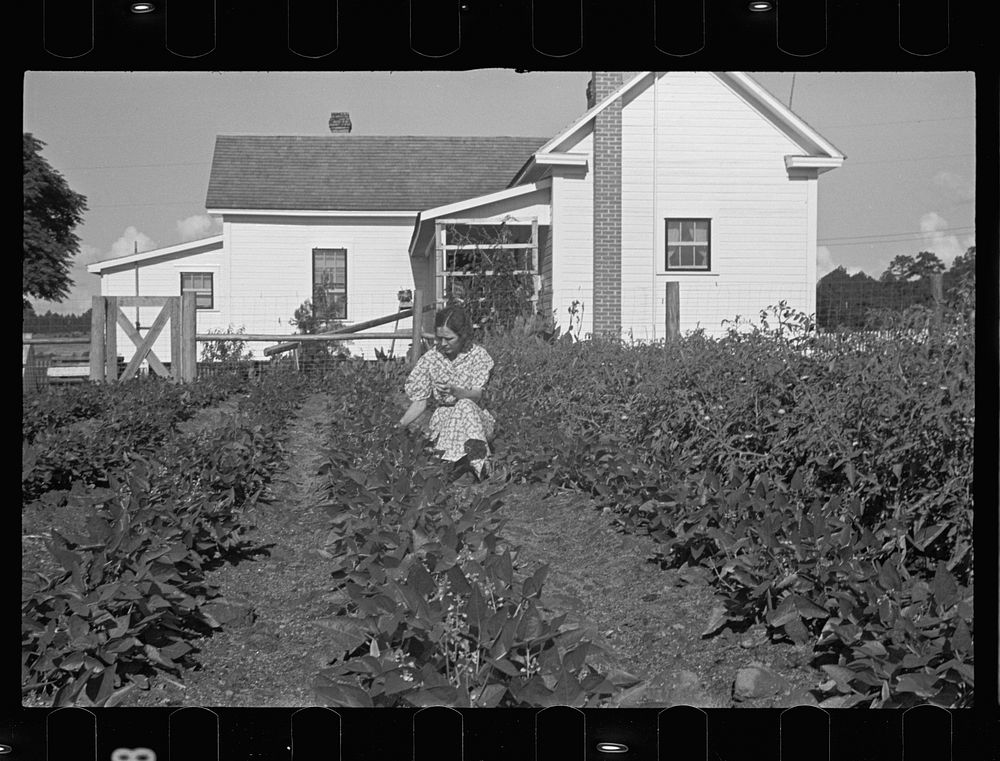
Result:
[[845, 301]]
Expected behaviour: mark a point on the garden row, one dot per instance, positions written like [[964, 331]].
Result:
[[82, 432], [827, 489], [120, 590], [432, 608]]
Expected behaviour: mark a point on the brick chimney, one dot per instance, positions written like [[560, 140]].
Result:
[[340, 123], [607, 307]]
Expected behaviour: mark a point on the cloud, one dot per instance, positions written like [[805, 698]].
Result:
[[824, 262], [85, 285], [198, 226], [130, 242], [944, 244]]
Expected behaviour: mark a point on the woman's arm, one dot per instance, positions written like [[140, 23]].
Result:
[[475, 394], [415, 410]]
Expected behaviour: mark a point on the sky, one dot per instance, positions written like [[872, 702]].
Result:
[[139, 145]]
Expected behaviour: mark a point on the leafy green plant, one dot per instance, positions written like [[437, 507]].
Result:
[[309, 320], [230, 352], [122, 589], [431, 609], [804, 475]]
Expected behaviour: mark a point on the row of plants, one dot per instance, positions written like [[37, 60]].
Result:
[[429, 605], [828, 489], [122, 598], [81, 432], [59, 407]]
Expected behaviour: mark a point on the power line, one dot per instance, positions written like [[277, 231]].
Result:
[[917, 233], [139, 166], [902, 241], [159, 203], [900, 121], [913, 158], [913, 240]]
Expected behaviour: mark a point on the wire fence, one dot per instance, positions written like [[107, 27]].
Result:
[[870, 305], [856, 312]]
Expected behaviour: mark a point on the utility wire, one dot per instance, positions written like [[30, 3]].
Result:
[[892, 235], [913, 158], [900, 121], [139, 166]]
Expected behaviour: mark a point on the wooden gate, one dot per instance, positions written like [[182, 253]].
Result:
[[107, 316]]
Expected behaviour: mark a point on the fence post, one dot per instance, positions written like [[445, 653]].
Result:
[[673, 303], [189, 346], [418, 326], [937, 293], [98, 324], [111, 338], [176, 363]]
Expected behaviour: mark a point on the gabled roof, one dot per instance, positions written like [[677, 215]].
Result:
[[359, 172], [812, 143], [188, 248]]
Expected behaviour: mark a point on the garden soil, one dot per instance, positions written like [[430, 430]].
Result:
[[649, 620]]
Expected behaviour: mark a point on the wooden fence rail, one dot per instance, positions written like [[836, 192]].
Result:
[[180, 312], [106, 317]]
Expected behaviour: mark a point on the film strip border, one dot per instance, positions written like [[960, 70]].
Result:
[[558, 733], [540, 32]]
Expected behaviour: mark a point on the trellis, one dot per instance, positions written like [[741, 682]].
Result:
[[445, 253]]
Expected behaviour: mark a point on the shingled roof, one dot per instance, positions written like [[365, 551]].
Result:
[[360, 172]]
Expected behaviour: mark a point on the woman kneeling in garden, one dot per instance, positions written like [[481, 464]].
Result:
[[454, 376]]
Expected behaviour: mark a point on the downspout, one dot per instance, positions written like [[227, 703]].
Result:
[[652, 295], [135, 249]]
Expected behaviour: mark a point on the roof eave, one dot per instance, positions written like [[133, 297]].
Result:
[[97, 267], [590, 113], [778, 110], [500, 195], [818, 163], [315, 212], [540, 166]]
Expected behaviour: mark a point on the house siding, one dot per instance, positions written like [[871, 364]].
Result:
[[545, 272], [162, 277], [573, 240], [716, 157], [378, 267]]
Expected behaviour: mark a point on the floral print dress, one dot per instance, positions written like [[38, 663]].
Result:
[[455, 421]]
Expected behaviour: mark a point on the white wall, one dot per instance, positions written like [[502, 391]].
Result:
[[271, 270], [573, 239], [715, 157], [161, 276]]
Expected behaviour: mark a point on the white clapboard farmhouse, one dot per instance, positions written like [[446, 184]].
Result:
[[700, 179]]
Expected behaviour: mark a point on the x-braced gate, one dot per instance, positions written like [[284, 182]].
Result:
[[107, 316]]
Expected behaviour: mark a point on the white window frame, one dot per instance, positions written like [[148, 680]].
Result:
[[200, 291], [336, 289], [666, 268]]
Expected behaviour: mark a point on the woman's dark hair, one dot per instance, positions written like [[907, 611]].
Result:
[[458, 321]]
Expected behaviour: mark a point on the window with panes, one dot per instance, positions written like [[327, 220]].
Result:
[[330, 283], [201, 285], [689, 245]]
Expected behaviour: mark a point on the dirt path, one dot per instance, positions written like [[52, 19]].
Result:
[[271, 644], [649, 620]]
